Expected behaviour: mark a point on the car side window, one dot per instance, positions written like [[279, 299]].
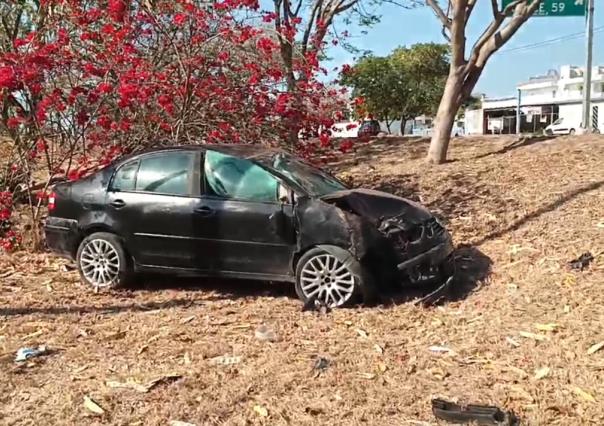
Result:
[[125, 178], [237, 178], [165, 173]]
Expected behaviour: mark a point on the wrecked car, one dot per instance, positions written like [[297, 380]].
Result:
[[243, 211]]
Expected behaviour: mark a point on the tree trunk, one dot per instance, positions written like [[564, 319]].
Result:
[[287, 56], [445, 117], [388, 123], [403, 125]]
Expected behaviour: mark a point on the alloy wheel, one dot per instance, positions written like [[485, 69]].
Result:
[[327, 279], [100, 263]]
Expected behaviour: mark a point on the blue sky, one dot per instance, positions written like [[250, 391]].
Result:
[[505, 69]]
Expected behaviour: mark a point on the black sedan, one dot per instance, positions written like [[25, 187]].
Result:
[[248, 212]]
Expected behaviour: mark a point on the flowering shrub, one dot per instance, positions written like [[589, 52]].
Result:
[[87, 80], [9, 240]]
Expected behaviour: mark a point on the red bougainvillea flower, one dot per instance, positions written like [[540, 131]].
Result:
[[180, 18], [8, 78], [346, 69], [76, 174], [346, 145], [117, 9], [41, 145], [14, 122], [324, 139]]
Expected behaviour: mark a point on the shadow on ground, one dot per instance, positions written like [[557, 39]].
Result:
[[547, 208], [108, 309], [472, 268], [217, 288], [522, 142]]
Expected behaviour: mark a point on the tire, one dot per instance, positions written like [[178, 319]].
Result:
[[102, 261], [571, 132], [333, 277]]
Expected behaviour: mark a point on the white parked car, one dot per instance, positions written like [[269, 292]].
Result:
[[456, 131], [563, 126]]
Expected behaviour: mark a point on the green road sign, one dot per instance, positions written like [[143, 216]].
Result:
[[557, 7]]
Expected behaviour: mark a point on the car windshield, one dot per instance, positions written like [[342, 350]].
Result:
[[311, 179], [558, 121]]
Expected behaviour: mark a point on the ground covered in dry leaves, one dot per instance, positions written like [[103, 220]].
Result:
[[520, 334]]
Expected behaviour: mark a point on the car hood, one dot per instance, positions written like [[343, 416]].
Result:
[[376, 206]]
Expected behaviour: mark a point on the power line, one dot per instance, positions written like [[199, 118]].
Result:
[[551, 41]]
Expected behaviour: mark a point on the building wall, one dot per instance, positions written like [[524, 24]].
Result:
[[473, 121], [563, 90], [572, 115]]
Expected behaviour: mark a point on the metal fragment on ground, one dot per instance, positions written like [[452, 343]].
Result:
[[24, 354], [266, 334], [478, 414]]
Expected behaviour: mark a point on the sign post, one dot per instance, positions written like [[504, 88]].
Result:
[[518, 117], [589, 36]]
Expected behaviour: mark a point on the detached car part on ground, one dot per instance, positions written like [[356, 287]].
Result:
[[247, 212]]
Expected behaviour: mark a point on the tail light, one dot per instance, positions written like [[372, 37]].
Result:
[[51, 201]]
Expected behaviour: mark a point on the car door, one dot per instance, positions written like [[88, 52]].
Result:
[[150, 202], [561, 128], [240, 225]]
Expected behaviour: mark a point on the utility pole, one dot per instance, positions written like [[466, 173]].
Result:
[[518, 114], [589, 33]]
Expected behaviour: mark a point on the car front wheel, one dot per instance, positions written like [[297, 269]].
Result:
[[332, 277], [102, 261]]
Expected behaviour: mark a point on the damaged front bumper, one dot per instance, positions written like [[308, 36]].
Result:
[[433, 267], [434, 256]]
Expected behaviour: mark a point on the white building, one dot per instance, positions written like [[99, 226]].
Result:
[[543, 99]]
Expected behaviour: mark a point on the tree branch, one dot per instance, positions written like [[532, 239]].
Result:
[[470, 8], [287, 12], [298, 7], [513, 5], [440, 14], [310, 25], [485, 37], [403, 5], [343, 8], [458, 33], [495, 8]]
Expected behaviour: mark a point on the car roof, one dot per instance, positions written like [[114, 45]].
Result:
[[238, 150], [247, 151]]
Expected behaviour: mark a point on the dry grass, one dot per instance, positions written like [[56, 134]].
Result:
[[526, 210]]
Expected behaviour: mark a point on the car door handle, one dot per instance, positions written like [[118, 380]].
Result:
[[118, 204], [204, 211]]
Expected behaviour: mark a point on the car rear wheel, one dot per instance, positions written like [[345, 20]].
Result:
[[102, 261], [571, 132], [331, 276]]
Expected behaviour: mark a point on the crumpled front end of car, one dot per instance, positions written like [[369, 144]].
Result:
[[399, 240], [423, 249]]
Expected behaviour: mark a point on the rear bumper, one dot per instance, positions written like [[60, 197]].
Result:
[[61, 236]]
